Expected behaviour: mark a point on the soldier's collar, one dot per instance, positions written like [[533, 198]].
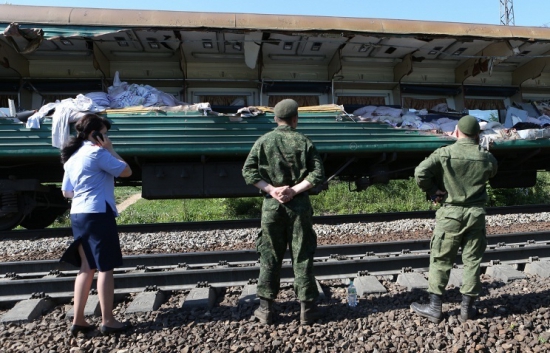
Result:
[[467, 141]]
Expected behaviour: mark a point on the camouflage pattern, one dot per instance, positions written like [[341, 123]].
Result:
[[287, 225], [462, 170], [285, 157]]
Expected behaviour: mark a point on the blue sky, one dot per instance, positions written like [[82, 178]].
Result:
[[526, 12]]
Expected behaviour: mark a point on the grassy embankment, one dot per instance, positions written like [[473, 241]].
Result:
[[397, 196]]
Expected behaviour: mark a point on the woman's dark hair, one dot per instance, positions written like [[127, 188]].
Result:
[[84, 127]]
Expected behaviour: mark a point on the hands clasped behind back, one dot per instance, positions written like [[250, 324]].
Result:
[[283, 194]]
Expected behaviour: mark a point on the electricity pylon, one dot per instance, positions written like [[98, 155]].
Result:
[[507, 13]]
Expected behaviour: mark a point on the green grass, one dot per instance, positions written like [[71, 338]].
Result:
[[336, 200], [396, 196], [122, 193]]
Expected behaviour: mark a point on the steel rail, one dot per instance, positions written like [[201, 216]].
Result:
[[188, 277], [236, 256], [24, 234]]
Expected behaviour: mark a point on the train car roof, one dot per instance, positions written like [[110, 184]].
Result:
[[80, 16], [256, 46]]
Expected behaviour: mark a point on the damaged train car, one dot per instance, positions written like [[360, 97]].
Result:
[[189, 93]]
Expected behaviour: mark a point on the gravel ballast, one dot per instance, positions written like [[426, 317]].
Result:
[[514, 316]]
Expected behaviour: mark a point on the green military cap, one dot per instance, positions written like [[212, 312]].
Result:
[[286, 109], [468, 125]]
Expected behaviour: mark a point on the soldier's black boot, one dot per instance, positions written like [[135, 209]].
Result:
[[432, 311], [264, 313], [310, 312], [467, 309]]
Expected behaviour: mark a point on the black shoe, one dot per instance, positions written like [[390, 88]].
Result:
[[467, 309], [106, 330], [432, 311], [310, 312], [75, 329], [264, 313]]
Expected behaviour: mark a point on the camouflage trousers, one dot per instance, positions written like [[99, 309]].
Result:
[[457, 227], [289, 225]]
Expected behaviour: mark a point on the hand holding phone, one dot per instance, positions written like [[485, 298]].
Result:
[[97, 136]]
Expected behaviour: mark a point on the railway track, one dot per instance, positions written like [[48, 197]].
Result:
[[169, 272], [251, 223]]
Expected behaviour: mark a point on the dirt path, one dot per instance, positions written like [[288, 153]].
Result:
[[129, 201]]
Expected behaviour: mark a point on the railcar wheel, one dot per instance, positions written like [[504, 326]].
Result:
[[48, 207], [11, 211]]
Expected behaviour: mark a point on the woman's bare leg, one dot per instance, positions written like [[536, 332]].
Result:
[[82, 285], [106, 291]]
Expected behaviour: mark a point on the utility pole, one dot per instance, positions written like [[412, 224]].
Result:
[[507, 13]]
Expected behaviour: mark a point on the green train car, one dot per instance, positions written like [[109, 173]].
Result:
[[234, 61]]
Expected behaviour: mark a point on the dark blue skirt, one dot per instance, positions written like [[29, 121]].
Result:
[[98, 235]]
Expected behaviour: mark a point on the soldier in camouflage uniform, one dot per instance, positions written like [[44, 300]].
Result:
[[456, 176], [284, 164]]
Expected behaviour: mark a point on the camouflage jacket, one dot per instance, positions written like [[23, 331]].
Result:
[[283, 157], [461, 169]]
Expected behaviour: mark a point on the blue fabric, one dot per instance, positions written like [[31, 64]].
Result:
[[98, 235], [90, 174]]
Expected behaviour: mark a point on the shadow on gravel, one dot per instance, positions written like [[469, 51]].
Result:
[[287, 309]]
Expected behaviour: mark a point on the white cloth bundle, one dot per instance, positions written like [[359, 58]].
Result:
[[365, 111]]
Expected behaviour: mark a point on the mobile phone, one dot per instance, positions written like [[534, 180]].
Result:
[[97, 135]]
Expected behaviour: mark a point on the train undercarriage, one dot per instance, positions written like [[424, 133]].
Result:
[[34, 204]]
